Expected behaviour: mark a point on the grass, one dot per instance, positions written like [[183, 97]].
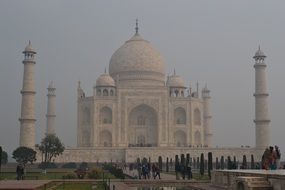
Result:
[[50, 175], [39, 175]]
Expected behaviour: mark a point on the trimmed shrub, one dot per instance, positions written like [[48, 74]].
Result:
[[69, 176], [95, 174], [202, 161], [69, 165], [45, 165]]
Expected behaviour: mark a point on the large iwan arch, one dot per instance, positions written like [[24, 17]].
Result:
[[143, 126]]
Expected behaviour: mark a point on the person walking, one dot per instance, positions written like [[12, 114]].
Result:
[[278, 156], [157, 171]]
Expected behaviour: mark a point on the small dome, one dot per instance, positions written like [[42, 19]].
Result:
[[105, 80], [259, 53], [175, 81], [29, 48]]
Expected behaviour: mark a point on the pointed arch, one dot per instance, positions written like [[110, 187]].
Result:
[[105, 92], [180, 116], [180, 138], [111, 92], [197, 138], [105, 138], [106, 115], [197, 117], [143, 121], [86, 116]]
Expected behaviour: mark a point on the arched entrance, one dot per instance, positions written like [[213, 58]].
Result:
[[105, 138], [180, 138], [143, 126]]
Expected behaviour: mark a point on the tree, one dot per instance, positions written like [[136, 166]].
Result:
[[235, 163], [4, 158], [51, 147], [252, 162], [217, 163], [244, 162], [230, 165], [160, 163], [167, 165], [0, 157], [210, 163], [202, 162], [222, 162], [188, 159], [24, 155]]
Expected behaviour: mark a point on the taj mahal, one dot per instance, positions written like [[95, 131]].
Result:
[[137, 111], [134, 106]]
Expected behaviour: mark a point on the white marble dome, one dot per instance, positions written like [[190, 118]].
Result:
[[175, 81], [105, 80], [137, 60]]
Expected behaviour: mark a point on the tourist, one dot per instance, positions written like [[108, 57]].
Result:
[[183, 170], [153, 171], [266, 159], [278, 156], [189, 171], [139, 170], [157, 171], [177, 169], [272, 158], [20, 172]]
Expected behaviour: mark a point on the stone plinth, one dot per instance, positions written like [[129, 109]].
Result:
[[252, 179]]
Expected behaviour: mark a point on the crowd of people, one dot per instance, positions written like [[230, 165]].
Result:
[[271, 158], [146, 171], [183, 171]]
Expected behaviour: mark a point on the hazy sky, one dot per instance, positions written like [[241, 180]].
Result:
[[210, 41]]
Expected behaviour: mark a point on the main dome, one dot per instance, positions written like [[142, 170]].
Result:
[[137, 60]]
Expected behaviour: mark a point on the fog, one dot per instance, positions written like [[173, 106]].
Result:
[[207, 41]]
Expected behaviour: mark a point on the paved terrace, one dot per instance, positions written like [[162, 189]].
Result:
[[24, 184]]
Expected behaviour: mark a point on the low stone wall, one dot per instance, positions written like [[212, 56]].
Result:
[[227, 178], [129, 155]]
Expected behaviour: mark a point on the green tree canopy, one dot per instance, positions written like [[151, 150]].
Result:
[[51, 147], [24, 155]]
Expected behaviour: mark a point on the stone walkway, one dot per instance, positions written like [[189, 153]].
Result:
[[134, 173], [22, 184]]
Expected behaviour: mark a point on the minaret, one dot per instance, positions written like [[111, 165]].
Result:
[[51, 109], [261, 106], [27, 120], [207, 117]]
